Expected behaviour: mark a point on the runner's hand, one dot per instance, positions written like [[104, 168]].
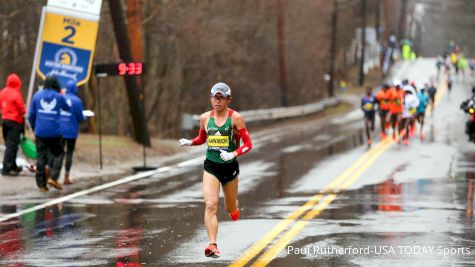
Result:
[[226, 156], [185, 142]]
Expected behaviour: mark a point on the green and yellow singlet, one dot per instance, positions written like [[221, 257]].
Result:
[[220, 138]]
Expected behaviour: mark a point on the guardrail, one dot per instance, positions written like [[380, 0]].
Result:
[[262, 115]]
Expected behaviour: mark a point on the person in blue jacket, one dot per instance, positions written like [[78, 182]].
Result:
[[70, 125], [44, 118]]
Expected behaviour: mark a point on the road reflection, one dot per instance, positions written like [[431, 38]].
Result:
[[389, 196], [11, 241], [129, 238]]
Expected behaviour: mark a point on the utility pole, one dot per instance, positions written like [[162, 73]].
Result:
[[402, 20], [136, 109], [418, 38], [331, 84], [363, 44], [284, 98], [134, 30], [378, 20]]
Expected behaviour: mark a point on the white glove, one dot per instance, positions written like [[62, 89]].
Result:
[[226, 156], [185, 142]]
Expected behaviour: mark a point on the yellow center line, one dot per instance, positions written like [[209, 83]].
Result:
[[276, 248], [255, 249], [273, 251], [353, 167], [388, 143], [367, 160]]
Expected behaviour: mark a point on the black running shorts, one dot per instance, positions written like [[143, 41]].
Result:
[[394, 117], [225, 172], [369, 115], [383, 113], [420, 115]]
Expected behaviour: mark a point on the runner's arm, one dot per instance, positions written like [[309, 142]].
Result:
[[200, 139], [377, 102], [240, 125], [202, 136]]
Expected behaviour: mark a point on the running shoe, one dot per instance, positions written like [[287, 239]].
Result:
[[406, 141], [212, 251], [234, 215], [55, 184], [421, 136], [43, 189], [383, 136], [369, 142]]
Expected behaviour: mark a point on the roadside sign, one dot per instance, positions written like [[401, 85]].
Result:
[[66, 41], [82, 6], [67, 47]]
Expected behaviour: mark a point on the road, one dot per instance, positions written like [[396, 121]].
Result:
[[311, 194]]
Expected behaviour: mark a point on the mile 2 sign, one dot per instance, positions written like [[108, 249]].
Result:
[[68, 40]]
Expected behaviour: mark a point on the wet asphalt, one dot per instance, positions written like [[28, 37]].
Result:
[[412, 206]]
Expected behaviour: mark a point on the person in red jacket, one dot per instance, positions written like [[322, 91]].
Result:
[[13, 109]]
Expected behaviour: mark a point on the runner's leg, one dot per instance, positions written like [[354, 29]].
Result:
[[387, 122], [422, 121], [394, 124], [211, 197], [383, 122], [407, 127], [366, 125], [372, 121], [230, 190], [401, 125]]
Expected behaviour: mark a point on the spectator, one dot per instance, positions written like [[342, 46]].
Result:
[[13, 110], [70, 125], [44, 117]]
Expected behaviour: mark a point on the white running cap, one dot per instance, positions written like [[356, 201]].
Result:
[[221, 88], [397, 82]]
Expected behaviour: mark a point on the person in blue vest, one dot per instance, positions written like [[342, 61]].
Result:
[[44, 118], [368, 105], [70, 125]]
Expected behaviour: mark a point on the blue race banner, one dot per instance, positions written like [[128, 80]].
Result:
[[67, 48], [66, 63]]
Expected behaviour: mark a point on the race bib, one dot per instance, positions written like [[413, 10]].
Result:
[[218, 141], [412, 111], [368, 107]]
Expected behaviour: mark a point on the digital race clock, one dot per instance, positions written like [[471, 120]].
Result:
[[120, 69]]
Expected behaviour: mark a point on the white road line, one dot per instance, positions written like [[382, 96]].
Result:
[[90, 190], [262, 137], [103, 187], [191, 162]]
